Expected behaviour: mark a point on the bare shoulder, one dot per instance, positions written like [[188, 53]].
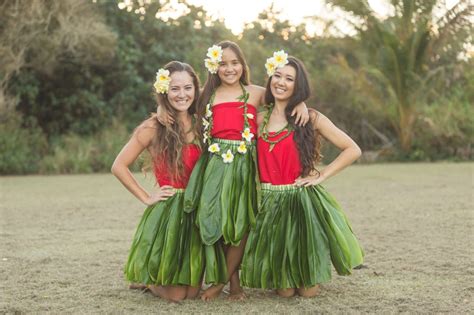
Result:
[[256, 89], [146, 131], [318, 119]]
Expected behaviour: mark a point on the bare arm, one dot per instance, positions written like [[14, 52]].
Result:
[[135, 146], [350, 150]]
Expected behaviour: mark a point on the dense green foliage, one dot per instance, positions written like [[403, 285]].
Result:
[[69, 110]]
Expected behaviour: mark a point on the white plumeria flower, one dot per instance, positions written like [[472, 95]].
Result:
[[205, 123], [281, 58], [250, 116], [208, 111], [247, 135], [211, 65], [270, 65], [214, 148], [215, 53], [228, 157], [242, 148], [162, 81]]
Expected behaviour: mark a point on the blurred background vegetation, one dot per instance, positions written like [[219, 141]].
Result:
[[76, 76]]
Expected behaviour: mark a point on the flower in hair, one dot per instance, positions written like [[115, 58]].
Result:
[[162, 81], [278, 60], [215, 56]]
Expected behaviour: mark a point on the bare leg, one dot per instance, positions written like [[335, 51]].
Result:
[[309, 292], [286, 293], [233, 258], [236, 292]]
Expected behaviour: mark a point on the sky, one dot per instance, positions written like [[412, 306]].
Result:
[[235, 16]]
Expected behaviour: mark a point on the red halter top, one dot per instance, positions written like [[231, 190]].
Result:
[[191, 153], [282, 165], [228, 120]]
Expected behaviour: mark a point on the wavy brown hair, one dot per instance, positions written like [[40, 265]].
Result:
[[308, 141], [167, 145], [213, 80]]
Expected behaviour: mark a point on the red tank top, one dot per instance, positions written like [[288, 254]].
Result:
[[228, 120], [282, 165], [191, 153]]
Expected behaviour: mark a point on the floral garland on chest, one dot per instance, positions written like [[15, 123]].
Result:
[[247, 135]]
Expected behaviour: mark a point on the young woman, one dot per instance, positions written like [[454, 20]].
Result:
[[223, 186], [300, 228], [167, 254]]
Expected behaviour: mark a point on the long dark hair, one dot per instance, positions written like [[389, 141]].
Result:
[[167, 146], [213, 80], [308, 141]]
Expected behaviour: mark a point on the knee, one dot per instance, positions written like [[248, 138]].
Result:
[[286, 293], [177, 295]]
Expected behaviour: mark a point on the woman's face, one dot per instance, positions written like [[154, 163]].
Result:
[[282, 84], [230, 69], [181, 91]]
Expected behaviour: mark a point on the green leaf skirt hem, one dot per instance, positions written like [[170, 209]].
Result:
[[167, 248], [299, 232], [224, 195]]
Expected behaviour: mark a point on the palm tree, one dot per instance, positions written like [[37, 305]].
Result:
[[403, 54]]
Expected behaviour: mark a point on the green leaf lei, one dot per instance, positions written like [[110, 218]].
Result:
[[264, 131]]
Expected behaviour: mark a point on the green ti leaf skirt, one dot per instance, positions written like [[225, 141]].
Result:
[[167, 248], [299, 232], [224, 195]]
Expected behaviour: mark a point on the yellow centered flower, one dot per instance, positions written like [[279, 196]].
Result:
[[270, 66], [215, 53], [162, 81], [247, 135], [242, 148], [281, 58], [228, 157], [211, 65], [214, 148]]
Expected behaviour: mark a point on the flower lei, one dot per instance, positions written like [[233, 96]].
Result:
[[264, 132], [279, 59], [207, 121], [162, 81]]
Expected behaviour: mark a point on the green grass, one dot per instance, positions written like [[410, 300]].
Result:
[[64, 241]]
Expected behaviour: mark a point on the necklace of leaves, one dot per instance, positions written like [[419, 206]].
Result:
[[264, 131], [246, 134]]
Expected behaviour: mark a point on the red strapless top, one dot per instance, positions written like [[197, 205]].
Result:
[[191, 153], [228, 120], [282, 165]]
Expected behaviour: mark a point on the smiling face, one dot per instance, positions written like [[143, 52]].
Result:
[[230, 68], [282, 83], [181, 91]]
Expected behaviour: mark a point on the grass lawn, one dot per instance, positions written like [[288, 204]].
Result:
[[64, 241]]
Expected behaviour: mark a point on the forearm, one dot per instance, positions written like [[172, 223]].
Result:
[[126, 177], [344, 159]]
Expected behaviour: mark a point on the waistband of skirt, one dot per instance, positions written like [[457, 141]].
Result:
[[178, 190], [289, 187], [232, 142]]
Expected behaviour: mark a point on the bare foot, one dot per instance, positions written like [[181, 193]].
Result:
[[237, 295], [212, 292], [137, 286]]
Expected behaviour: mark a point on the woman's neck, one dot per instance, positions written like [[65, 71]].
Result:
[[279, 108], [184, 118]]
